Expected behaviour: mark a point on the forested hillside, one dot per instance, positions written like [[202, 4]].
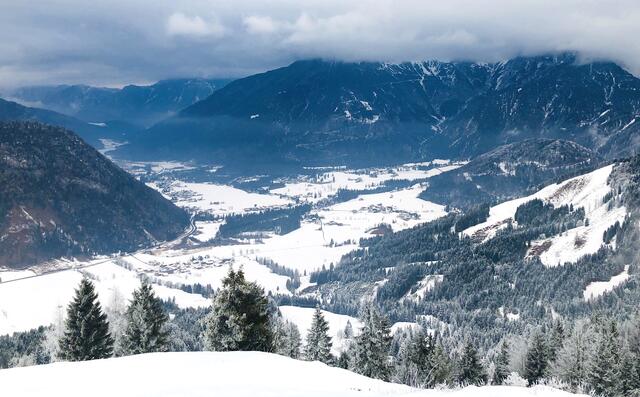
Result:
[[60, 197]]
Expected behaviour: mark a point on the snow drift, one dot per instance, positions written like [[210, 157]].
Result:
[[233, 374]]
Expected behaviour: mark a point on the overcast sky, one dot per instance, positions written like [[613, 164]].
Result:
[[118, 42]]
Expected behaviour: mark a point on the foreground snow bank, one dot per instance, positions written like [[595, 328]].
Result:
[[235, 374]]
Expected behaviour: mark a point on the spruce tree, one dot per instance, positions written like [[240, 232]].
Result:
[[239, 319], [372, 346], [536, 362], [86, 335], [145, 329], [318, 342], [470, 369], [502, 365], [604, 372]]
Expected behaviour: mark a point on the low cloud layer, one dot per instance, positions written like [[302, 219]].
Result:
[[117, 42]]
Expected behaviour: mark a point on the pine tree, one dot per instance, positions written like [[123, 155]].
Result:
[[372, 346], [239, 319], [604, 372], [318, 343], [470, 370], [536, 362], [502, 365], [145, 329], [86, 335]]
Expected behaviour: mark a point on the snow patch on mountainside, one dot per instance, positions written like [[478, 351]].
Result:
[[424, 286], [599, 288], [229, 374], [585, 191]]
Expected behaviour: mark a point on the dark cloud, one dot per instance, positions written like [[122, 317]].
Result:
[[117, 42]]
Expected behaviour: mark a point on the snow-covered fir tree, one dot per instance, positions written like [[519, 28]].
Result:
[[556, 339], [318, 342], [604, 374], [572, 360], [628, 374], [372, 346], [145, 330], [287, 340], [86, 335], [239, 319], [537, 359], [470, 369], [502, 370], [422, 361]]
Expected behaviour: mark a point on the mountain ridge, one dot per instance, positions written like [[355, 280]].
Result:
[[318, 113], [140, 105]]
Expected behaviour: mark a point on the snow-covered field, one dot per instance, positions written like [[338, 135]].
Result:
[[218, 199], [231, 374], [585, 191], [327, 184]]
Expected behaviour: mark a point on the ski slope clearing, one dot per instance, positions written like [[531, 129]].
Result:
[[599, 288], [585, 191], [231, 374]]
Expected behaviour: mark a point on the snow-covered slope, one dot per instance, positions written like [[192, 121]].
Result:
[[302, 317], [585, 191], [235, 374], [598, 288], [40, 300]]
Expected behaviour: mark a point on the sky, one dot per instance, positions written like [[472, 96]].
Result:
[[118, 42]]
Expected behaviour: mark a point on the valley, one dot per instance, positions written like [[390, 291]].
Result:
[[330, 228], [334, 226]]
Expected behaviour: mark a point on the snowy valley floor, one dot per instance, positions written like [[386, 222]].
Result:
[[233, 374]]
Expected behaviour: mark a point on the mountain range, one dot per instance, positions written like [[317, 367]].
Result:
[[138, 105], [91, 133], [325, 112]]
